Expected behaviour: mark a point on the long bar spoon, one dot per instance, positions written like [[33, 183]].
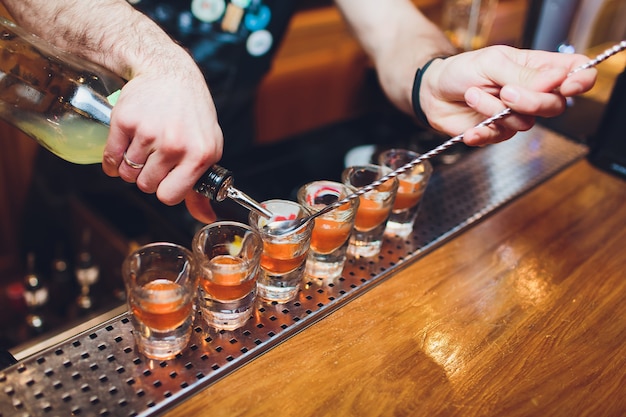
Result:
[[282, 227]]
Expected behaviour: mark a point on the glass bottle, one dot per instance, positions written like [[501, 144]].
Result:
[[218, 183], [87, 272], [62, 285], [56, 98], [35, 296], [65, 103]]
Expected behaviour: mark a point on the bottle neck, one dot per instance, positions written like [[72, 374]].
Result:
[[215, 183], [92, 105]]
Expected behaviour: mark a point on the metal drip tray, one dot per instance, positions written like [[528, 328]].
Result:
[[99, 372]]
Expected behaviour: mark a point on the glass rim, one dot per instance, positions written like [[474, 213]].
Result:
[[315, 207], [426, 163], [381, 171], [132, 269], [162, 244], [197, 246], [255, 218]]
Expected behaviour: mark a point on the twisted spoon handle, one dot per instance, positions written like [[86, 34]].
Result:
[[457, 139], [618, 47]]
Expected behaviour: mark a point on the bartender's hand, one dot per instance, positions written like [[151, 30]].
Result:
[[169, 125], [461, 91], [165, 122]]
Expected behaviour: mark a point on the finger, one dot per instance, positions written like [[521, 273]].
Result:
[[533, 70], [133, 163], [113, 155], [542, 79], [155, 171], [178, 182], [579, 82], [200, 207], [488, 105], [533, 103], [540, 72], [485, 135]]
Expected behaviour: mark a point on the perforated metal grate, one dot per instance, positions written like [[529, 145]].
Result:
[[99, 372]]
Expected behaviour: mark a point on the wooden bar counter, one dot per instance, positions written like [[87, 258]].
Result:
[[522, 314]]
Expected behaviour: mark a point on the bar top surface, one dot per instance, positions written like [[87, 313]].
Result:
[[522, 314]]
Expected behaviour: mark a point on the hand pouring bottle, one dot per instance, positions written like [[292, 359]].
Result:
[[65, 103]]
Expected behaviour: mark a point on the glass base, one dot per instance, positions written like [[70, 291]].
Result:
[[276, 294], [398, 229], [227, 315], [364, 249], [163, 346], [323, 270], [226, 321]]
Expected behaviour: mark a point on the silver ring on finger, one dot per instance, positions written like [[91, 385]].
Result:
[[131, 163]]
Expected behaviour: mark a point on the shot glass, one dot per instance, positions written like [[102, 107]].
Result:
[[411, 187], [284, 257], [228, 256], [331, 231], [374, 208], [161, 284]]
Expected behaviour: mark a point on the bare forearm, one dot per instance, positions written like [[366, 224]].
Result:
[[109, 32], [398, 38], [164, 119]]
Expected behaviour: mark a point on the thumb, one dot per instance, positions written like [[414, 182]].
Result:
[[531, 71], [199, 207]]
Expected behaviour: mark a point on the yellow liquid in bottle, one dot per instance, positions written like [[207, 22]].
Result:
[[74, 138], [37, 90]]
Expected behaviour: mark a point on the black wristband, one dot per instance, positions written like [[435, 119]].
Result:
[[417, 108]]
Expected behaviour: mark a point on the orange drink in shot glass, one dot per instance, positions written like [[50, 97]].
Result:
[[284, 256], [229, 279], [331, 231], [164, 308], [161, 283], [412, 185], [374, 208], [228, 255]]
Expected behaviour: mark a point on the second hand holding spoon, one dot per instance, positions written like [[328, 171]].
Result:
[[282, 227]]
